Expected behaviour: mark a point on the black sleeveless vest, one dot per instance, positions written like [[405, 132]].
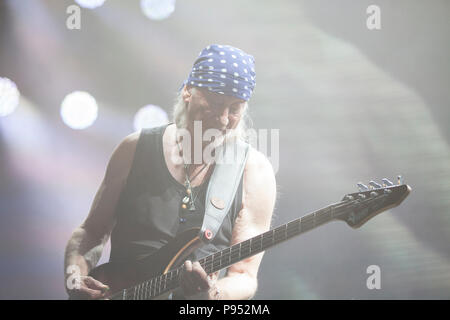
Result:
[[149, 212]]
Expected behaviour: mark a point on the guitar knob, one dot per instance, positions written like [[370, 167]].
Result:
[[399, 180], [387, 182]]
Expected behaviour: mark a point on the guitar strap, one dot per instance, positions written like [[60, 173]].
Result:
[[224, 182]]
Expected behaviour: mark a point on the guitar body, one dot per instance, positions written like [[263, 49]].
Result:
[[120, 276]]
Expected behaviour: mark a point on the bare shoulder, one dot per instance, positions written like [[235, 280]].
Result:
[[122, 158], [258, 170], [257, 159], [132, 138], [127, 144], [259, 189]]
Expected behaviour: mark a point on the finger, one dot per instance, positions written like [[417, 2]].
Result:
[[200, 277], [195, 279], [186, 282], [86, 293], [212, 279], [95, 284], [188, 265], [214, 276]]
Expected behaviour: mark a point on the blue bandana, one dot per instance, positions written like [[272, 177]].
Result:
[[224, 69]]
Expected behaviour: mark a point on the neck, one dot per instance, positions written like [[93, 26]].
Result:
[[196, 150]]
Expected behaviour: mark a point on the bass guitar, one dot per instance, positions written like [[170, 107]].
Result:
[[157, 275]]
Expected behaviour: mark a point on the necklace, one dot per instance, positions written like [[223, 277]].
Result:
[[189, 198]]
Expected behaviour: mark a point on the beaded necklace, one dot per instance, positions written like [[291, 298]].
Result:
[[189, 197]]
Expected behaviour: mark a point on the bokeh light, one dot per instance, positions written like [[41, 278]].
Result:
[[150, 116], [158, 9], [90, 4], [79, 110], [9, 97]]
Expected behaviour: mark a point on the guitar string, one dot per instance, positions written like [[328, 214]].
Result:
[[211, 264]]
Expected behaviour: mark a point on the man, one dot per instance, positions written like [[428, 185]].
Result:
[[151, 191]]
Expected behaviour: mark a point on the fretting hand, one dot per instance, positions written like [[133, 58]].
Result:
[[196, 284]]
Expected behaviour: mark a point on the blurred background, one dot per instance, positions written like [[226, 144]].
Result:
[[351, 104]]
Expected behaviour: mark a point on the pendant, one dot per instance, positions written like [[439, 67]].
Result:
[[186, 200], [192, 206]]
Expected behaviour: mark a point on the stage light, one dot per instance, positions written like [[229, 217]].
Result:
[[150, 116], [158, 9], [9, 97], [90, 4], [79, 110]]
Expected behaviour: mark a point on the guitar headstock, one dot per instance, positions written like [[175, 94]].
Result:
[[372, 200]]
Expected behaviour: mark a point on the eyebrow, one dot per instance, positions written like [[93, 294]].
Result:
[[221, 99]]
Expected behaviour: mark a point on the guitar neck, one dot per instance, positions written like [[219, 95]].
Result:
[[169, 281], [262, 242]]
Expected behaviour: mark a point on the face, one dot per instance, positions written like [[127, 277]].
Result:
[[216, 111]]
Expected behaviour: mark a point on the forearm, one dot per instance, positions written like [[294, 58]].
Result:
[[83, 250], [236, 286]]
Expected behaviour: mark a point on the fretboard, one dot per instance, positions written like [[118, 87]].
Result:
[[226, 257]]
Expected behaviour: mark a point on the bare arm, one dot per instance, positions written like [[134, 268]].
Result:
[[259, 195], [87, 241]]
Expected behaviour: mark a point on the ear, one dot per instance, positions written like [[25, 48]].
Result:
[[186, 93]]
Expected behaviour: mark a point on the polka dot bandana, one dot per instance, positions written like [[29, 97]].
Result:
[[224, 69]]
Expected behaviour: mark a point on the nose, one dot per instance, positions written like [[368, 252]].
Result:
[[223, 117]]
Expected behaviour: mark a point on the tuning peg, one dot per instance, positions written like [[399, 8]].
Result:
[[387, 182], [362, 187], [374, 185], [399, 180]]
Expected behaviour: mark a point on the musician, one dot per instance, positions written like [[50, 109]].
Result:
[[141, 200]]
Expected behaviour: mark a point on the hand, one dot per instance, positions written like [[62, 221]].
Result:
[[89, 289], [196, 284]]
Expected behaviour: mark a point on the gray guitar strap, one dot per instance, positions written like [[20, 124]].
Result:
[[224, 182]]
